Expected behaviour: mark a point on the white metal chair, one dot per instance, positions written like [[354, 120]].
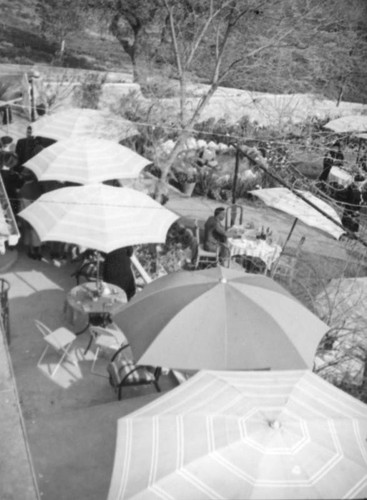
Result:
[[203, 257], [60, 340], [234, 215], [108, 338], [287, 262]]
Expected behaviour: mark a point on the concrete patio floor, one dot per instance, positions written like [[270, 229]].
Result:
[[70, 419]]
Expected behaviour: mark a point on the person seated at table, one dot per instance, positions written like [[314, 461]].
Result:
[[117, 270], [214, 233]]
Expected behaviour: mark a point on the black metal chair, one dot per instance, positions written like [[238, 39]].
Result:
[[123, 372]]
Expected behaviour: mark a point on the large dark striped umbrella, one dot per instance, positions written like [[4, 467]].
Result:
[[220, 319]]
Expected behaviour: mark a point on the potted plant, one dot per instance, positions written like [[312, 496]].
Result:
[[187, 179]]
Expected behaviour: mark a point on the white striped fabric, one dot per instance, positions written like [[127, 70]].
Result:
[[99, 217], [244, 435], [283, 199], [83, 122], [86, 160]]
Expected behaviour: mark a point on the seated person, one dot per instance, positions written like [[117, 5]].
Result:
[[214, 233]]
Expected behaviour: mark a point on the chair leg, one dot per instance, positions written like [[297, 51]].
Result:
[[42, 356], [58, 364], [92, 370], [94, 361], [89, 345]]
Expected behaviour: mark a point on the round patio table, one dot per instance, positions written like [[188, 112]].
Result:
[[99, 307]]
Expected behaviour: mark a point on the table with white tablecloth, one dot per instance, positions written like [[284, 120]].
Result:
[[264, 250], [342, 177]]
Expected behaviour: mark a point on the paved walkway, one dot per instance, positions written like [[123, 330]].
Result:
[[70, 420]]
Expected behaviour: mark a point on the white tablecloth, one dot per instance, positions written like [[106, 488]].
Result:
[[268, 253], [340, 176]]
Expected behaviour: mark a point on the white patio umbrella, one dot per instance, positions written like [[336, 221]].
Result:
[[348, 124], [86, 160], [83, 122], [99, 217], [237, 435], [283, 199]]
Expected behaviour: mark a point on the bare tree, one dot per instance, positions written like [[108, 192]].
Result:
[[220, 25]]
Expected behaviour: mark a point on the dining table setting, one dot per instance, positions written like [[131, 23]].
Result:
[[251, 241], [97, 300]]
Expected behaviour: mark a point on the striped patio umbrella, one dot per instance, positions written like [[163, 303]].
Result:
[[220, 319], [99, 217], [283, 199], [244, 435], [348, 124], [83, 122], [86, 160]]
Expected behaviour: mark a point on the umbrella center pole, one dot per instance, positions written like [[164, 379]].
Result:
[[99, 286], [274, 424]]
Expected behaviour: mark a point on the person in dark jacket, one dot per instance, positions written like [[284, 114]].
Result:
[[117, 270], [352, 198], [25, 148], [333, 158]]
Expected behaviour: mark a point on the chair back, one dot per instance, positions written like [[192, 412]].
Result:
[[234, 215], [42, 328], [289, 259], [197, 232], [112, 331]]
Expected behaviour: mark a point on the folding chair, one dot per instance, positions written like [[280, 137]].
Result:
[[123, 372], [105, 338], [287, 263], [60, 340]]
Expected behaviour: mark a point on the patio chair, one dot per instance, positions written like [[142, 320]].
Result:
[[234, 215], [108, 338], [87, 270], [60, 340], [123, 372], [250, 264], [287, 262], [203, 257]]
